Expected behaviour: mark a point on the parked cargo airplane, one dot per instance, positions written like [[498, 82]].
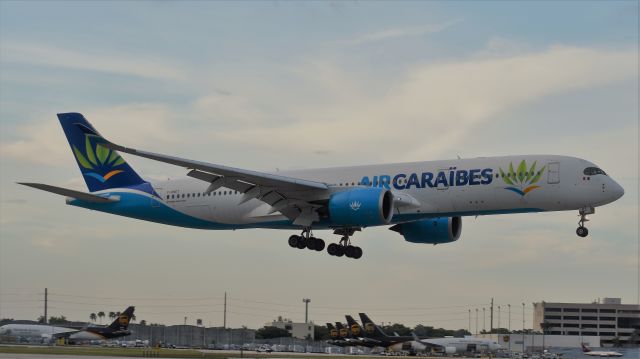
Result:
[[424, 201], [119, 328]]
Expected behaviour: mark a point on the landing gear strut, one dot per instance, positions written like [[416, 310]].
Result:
[[582, 231], [344, 247], [306, 240]]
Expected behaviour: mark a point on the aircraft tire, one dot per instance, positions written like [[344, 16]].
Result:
[[319, 245], [331, 249], [358, 253], [312, 242], [302, 243], [339, 250], [582, 231], [293, 241], [350, 251]]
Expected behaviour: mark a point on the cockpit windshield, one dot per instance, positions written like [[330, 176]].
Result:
[[592, 171]]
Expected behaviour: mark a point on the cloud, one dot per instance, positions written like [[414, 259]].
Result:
[[396, 32], [433, 107], [42, 142], [45, 55]]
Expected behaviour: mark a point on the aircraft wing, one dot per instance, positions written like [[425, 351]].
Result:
[[426, 342], [290, 196]]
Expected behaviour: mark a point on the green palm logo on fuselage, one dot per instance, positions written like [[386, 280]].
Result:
[[522, 181]]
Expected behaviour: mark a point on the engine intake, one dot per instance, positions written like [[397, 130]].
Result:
[[361, 207], [432, 231]]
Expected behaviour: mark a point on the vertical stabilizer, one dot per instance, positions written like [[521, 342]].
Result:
[[370, 327], [101, 167]]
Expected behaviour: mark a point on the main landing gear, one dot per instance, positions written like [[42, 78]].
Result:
[[342, 248], [582, 231], [306, 240]]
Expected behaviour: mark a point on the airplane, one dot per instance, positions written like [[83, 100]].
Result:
[[598, 353], [439, 345], [372, 336], [450, 346], [422, 201], [118, 328]]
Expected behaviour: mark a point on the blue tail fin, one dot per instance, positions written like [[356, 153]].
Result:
[[101, 167]]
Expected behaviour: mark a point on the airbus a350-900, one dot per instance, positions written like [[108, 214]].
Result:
[[423, 201]]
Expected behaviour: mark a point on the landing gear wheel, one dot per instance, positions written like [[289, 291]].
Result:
[[331, 249], [293, 241], [302, 243], [350, 251], [311, 243], [339, 251], [358, 253], [582, 231], [319, 246]]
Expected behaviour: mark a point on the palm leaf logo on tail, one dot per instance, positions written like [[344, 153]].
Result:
[[98, 159], [522, 180]]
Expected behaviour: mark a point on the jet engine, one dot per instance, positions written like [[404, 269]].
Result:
[[432, 231], [361, 207], [450, 350]]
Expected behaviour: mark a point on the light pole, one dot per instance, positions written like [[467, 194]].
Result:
[[469, 320], [509, 306], [523, 328], [306, 309], [476, 321], [498, 319], [484, 320]]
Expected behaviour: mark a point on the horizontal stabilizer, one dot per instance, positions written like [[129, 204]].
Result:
[[88, 197]]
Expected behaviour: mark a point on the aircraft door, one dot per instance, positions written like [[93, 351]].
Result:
[[553, 173]]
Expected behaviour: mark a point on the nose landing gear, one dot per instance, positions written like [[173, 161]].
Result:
[[582, 231]]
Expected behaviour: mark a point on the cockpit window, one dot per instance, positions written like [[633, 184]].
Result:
[[592, 171]]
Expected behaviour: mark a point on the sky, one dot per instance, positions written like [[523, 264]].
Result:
[[289, 85]]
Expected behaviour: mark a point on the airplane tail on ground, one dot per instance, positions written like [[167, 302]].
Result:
[[122, 321], [101, 167], [333, 332], [370, 327], [354, 328], [342, 331]]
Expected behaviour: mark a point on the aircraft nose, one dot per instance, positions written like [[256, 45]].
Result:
[[616, 190]]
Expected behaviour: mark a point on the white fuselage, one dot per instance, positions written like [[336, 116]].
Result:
[[46, 331], [438, 189]]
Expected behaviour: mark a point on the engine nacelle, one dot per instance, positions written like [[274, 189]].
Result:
[[361, 207], [432, 231], [450, 350]]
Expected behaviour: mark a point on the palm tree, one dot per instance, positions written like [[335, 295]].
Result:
[[112, 315], [93, 317], [143, 322], [100, 315]]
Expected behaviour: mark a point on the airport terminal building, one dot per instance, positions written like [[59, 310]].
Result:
[[614, 322]]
